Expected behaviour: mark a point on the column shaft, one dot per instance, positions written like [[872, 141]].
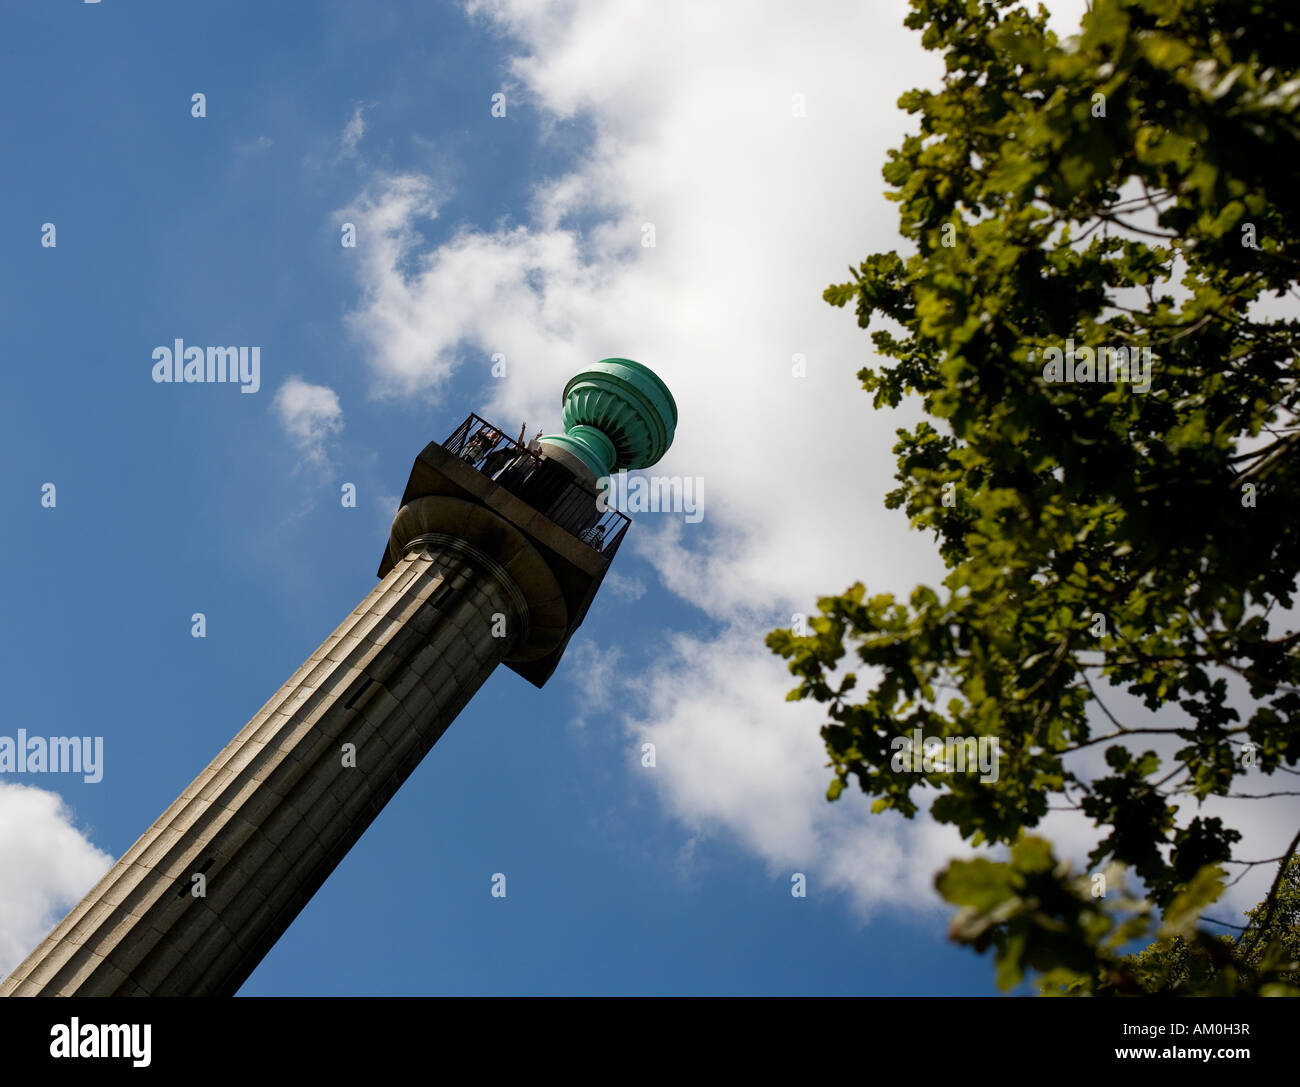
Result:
[[273, 814]]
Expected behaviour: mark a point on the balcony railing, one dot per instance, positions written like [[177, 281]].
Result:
[[542, 483]]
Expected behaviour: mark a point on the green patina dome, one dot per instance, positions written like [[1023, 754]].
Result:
[[617, 414]]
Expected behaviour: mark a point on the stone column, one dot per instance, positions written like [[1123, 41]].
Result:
[[280, 806], [473, 576]]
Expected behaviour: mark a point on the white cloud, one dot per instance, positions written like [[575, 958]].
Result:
[[755, 212], [353, 131], [48, 865], [622, 587], [732, 756], [310, 415], [596, 674]]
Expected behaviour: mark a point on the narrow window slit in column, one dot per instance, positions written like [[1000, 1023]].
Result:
[[352, 701]]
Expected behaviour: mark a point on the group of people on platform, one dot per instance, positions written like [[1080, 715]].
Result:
[[512, 463], [518, 458]]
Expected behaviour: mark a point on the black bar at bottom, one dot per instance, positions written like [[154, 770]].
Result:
[[1152, 1039]]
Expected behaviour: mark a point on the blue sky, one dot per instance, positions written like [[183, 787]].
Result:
[[519, 235]]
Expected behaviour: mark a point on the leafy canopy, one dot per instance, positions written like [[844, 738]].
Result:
[[1131, 187]]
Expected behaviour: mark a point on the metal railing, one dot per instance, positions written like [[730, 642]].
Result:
[[542, 483]]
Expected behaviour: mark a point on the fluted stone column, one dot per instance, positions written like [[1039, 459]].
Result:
[[280, 806], [473, 576]]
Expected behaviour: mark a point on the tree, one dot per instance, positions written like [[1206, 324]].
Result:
[[1195, 964], [1129, 195]]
